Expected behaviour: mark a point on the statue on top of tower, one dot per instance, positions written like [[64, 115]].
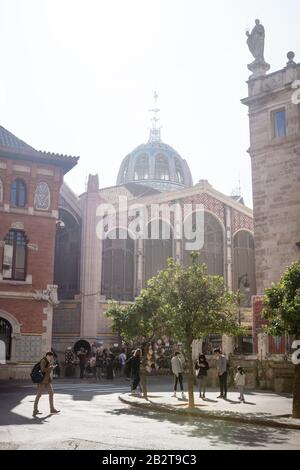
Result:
[[256, 44]]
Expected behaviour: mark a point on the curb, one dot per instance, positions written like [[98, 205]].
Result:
[[195, 413]]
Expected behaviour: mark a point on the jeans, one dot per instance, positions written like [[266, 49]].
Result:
[[40, 389], [82, 368], [202, 383], [223, 384], [136, 382], [241, 390], [178, 378]]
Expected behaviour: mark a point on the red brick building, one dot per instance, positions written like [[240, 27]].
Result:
[[30, 182]]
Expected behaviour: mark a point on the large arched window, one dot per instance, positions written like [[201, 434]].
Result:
[[244, 265], [1, 190], [5, 339], [212, 253], [42, 197], [124, 170], [18, 193], [15, 254], [118, 266], [141, 170], [162, 168], [158, 248], [67, 255]]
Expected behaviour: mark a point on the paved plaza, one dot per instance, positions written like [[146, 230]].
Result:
[[93, 417]]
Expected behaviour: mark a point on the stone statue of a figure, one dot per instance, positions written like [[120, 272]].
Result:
[[256, 44], [256, 41]]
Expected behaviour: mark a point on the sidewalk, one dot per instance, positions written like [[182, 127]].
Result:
[[261, 408]]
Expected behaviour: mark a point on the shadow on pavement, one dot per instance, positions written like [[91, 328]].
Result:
[[220, 433]]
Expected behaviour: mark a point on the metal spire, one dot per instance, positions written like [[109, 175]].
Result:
[[155, 129]]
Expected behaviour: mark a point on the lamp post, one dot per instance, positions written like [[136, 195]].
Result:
[[242, 281]]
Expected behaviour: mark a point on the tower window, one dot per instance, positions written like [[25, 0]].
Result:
[[14, 258], [18, 193], [279, 123]]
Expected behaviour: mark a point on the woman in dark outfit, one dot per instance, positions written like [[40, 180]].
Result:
[[202, 367]]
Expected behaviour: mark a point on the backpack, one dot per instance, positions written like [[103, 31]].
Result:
[[36, 374]]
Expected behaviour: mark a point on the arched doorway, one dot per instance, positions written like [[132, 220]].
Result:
[[82, 343], [6, 337]]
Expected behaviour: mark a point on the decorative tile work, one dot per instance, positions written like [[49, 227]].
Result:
[[241, 221], [28, 348], [209, 203]]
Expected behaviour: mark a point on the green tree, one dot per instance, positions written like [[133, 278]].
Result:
[[281, 307], [193, 305], [139, 322]]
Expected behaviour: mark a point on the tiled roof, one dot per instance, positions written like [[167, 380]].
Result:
[[13, 147], [9, 140]]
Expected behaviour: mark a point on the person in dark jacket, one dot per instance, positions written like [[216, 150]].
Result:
[[82, 356], [110, 366], [202, 367], [135, 363], [47, 367]]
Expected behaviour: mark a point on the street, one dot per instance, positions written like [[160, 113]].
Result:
[[92, 417]]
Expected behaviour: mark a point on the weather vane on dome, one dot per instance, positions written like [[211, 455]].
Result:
[[155, 129]]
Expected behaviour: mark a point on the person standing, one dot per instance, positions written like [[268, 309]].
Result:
[[177, 369], [240, 380], [110, 366], [99, 363], [122, 362], [47, 367], [202, 367], [222, 372], [69, 362], [135, 364], [82, 361]]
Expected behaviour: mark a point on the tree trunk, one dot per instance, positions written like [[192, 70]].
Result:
[[144, 372], [296, 394], [191, 374], [296, 391]]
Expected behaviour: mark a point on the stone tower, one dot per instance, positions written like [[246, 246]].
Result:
[[274, 117]]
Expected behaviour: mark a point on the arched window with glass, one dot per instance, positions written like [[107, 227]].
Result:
[[118, 266], [15, 256], [212, 252], [18, 193], [5, 339], [162, 168], [178, 172], [42, 197], [158, 247], [141, 170], [244, 265]]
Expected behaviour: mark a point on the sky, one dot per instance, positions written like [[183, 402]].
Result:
[[78, 76]]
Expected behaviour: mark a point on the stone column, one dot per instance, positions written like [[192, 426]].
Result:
[[140, 266], [196, 348], [262, 346], [91, 261], [227, 345], [228, 248]]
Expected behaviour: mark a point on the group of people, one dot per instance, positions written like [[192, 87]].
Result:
[[97, 363], [102, 362], [201, 369]]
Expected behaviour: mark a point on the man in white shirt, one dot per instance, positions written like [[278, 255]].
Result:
[[177, 369]]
